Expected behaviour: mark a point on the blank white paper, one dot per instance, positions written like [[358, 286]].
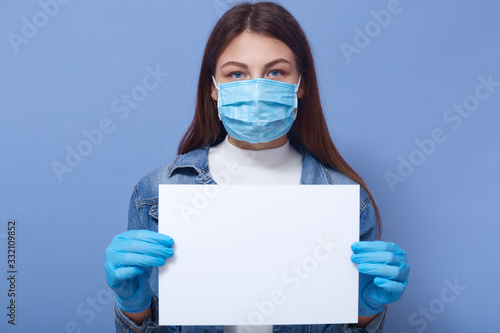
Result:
[[259, 254]]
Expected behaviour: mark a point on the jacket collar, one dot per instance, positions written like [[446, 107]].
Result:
[[312, 171], [197, 159]]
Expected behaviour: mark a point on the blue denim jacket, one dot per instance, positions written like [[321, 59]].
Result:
[[192, 168]]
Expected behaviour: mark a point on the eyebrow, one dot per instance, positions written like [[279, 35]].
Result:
[[245, 66]]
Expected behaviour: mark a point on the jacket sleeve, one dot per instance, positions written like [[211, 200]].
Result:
[[368, 232], [122, 322], [367, 219], [374, 326], [134, 217]]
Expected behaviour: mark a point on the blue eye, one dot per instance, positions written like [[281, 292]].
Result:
[[236, 75], [275, 72]]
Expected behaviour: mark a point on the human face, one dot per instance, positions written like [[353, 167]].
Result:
[[250, 56]]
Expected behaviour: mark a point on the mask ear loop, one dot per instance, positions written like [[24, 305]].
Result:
[[298, 84], [218, 97], [296, 98]]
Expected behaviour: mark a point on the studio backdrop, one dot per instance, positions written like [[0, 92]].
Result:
[[95, 94]]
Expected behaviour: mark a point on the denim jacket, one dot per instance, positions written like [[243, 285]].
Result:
[[192, 168]]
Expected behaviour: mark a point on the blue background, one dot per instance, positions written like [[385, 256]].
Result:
[[65, 77]]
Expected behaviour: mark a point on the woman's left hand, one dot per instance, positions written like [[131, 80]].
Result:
[[384, 270]]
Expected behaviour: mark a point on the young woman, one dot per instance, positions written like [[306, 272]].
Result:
[[258, 106]]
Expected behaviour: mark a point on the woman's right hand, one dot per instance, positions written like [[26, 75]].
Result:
[[129, 260]]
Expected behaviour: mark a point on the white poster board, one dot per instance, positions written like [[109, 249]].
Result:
[[259, 254]]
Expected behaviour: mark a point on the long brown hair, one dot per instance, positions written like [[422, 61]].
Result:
[[309, 130]]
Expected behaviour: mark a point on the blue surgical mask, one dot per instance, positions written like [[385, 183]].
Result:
[[258, 110]]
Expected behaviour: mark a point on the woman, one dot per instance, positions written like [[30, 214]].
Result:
[[257, 105]]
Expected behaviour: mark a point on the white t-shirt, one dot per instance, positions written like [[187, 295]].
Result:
[[229, 164]]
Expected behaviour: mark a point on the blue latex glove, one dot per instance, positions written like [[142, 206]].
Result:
[[384, 270], [129, 260]]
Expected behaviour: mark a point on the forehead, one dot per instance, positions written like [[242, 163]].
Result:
[[254, 49]]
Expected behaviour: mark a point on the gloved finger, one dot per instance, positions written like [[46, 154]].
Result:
[[371, 246], [390, 285], [389, 258], [125, 273], [384, 291], [116, 253], [383, 271], [135, 260], [142, 247], [117, 277], [147, 236]]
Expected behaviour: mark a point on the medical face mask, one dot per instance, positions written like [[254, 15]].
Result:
[[258, 110]]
